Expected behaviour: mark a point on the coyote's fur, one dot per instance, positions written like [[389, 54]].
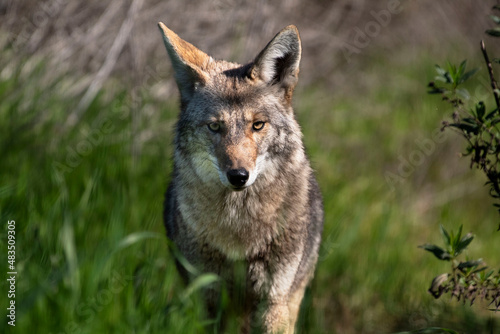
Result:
[[242, 188]]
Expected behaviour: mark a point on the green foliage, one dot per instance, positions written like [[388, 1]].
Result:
[[478, 127], [475, 124], [495, 32], [454, 75], [468, 279]]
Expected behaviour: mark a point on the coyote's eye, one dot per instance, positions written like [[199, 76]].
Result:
[[214, 126], [257, 126]]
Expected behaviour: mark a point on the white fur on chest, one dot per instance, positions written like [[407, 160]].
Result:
[[238, 224]]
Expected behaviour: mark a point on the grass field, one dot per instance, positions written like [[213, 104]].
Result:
[[91, 254]]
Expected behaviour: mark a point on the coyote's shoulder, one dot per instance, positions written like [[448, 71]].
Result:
[[242, 188]]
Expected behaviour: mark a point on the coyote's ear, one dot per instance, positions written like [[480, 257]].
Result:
[[189, 62], [278, 63]]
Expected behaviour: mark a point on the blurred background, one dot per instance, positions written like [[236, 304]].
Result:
[[87, 108]]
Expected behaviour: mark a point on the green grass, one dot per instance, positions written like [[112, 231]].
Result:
[[90, 245]]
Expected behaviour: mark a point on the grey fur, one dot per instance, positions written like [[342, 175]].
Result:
[[273, 223]]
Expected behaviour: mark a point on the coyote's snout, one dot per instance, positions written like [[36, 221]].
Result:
[[242, 189], [236, 151]]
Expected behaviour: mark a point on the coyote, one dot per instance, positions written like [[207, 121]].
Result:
[[242, 188]]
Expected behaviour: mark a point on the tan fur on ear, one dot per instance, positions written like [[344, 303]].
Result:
[[190, 63]]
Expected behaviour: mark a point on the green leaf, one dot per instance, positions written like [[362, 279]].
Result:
[[454, 72], [495, 32], [482, 269], [469, 264], [437, 251], [469, 120], [461, 68], [484, 276], [463, 243], [446, 78], [480, 110], [465, 127], [135, 238], [463, 93], [467, 75], [459, 234], [452, 69], [440, 70], [444, 75], [445, 234], [456, 237], [200, 282], [491, 114], [495, 19]]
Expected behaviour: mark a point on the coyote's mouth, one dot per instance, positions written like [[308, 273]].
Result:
[[238, 189]]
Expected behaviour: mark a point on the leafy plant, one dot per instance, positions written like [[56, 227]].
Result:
[[469, 279], [477, 124], [453, 76], [495, 32]]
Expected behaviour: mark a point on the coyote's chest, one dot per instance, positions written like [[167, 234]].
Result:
[[239, 225]]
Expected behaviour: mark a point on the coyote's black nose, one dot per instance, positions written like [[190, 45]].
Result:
[[237, 177]]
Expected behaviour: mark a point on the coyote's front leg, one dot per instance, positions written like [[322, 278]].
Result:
[[284, 293], [277, 319], [281, 316]]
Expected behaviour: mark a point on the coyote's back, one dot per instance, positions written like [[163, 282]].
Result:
[[242, 188]]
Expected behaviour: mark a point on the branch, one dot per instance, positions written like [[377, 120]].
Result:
[[107, 67], [490, 71]]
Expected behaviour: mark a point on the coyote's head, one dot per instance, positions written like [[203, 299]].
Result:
[[236, 121]]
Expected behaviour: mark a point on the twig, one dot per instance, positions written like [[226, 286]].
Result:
[[490, 71], [108, 65], [89, 38]]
